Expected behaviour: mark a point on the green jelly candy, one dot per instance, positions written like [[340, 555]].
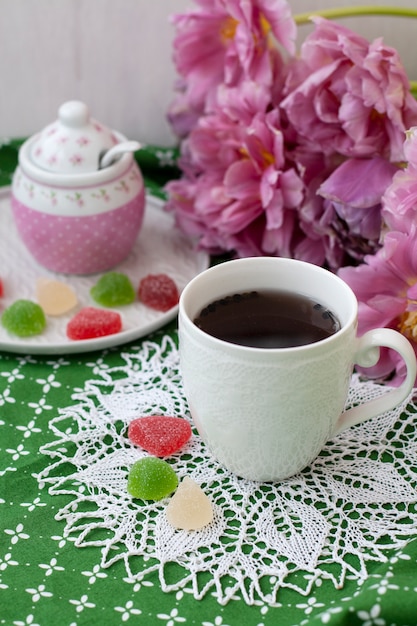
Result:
[[151, 478], [113, 289], [24, 318]]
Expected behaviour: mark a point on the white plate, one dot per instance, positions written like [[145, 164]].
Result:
[[160, 248]]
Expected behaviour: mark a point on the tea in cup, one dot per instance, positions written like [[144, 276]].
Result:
[[267, 349]]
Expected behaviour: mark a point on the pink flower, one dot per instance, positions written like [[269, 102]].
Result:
[[410, 146], [348, 95], [227, 41], [289, 156], [181, 116], [76, 159], [386, 288], [400, 199], [353, 210], [83, 141], [242, 192]]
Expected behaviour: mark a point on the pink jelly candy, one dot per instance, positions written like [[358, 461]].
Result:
[[90, 322], [158, 291], [158, 434], [1, 288]]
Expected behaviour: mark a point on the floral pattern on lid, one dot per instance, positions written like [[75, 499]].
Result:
[[73, 143]]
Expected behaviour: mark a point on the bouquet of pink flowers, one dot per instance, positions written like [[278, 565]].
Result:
[[310, 156]]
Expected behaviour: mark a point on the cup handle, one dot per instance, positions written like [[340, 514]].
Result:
[[367, 355]]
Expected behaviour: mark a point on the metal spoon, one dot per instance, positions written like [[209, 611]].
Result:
[[111, 155]]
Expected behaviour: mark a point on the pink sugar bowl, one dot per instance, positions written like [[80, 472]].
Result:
[[78, 197]]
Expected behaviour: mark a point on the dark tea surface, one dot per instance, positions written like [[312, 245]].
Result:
[[267, 319]]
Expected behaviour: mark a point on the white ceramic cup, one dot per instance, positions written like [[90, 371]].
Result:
[[265, 414]]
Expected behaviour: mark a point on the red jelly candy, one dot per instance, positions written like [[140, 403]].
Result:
[[158, 434], [158, 291], [91, 322]]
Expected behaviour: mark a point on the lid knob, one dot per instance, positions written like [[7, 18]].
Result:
[[74, 114]]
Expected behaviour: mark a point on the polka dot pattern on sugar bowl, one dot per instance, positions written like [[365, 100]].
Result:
[[79, 244]]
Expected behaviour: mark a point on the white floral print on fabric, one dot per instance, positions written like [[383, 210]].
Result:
[[349, 508]]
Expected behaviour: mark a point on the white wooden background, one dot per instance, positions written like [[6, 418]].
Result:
[[116, 56]]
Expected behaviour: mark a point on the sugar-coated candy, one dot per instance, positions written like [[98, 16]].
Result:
[[151, 478], [24, 318], [91, 322], [113, 289], [160, 435], [189, 507], [55, 297], [158, 291]]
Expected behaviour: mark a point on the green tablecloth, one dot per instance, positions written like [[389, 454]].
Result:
[[46, 579]]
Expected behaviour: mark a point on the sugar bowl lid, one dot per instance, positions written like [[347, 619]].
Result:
[[74, 143]]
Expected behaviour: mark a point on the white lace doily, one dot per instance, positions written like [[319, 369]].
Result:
[[355, 503]]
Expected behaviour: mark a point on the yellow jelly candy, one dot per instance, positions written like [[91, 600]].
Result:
[[55, 297], [189, 508]]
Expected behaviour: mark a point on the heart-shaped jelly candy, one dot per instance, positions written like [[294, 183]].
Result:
[[189, 507], [90, 322], [160, 435], [151, 479]]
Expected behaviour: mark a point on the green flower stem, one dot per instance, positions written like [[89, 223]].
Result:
[[331, 14]]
